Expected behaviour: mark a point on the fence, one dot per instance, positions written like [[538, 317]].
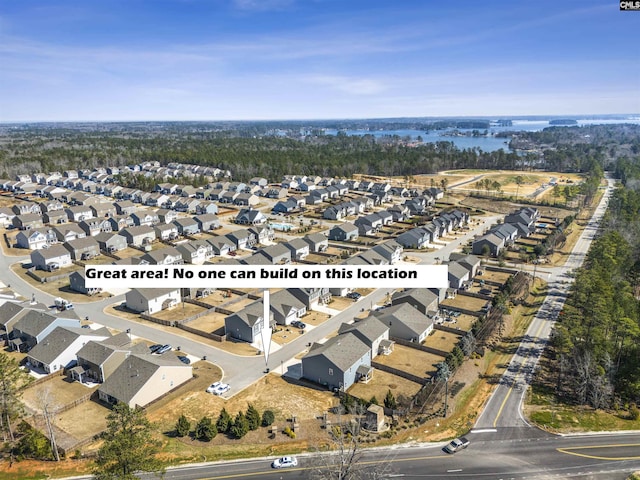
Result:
[[418, 346], [399, 373], [31, 272], [474, 295], [44, 379], [195, 331], [167, 323], [444, 328]]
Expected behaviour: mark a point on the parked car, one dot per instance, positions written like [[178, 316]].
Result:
[[155, 348], [285, 462], [456, 445], [354, 296], [211, 388], [163, 349], [222, 388], [184, 359], [298, 324]]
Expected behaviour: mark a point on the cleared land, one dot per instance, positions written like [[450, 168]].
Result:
[[410, 360], [442, 340], [381, 383], [463, 301]]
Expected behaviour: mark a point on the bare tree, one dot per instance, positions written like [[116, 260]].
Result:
[[49, 407], [343, 460]]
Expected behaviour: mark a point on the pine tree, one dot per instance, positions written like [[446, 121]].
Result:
[[183, 426], [205, 430], [129, 446], [224, 422], [390, 401], [240, 426], [12, 380], [253, 418]]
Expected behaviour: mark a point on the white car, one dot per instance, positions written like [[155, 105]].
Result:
[[220, 389], [211, 388], [285, 462]]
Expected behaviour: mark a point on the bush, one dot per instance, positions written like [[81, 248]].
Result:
[[268, 418], [224, 422], [634, 412], [290, 433], [183, 426], [240, 426]]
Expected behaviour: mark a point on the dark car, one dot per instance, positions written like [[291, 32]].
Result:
[[184, 359], [354, 295], [155, 348], [298, 324]]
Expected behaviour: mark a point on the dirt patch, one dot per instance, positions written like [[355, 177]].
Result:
[[208, 323], [180, 312], [411, 360], [315, 318], [94, 421], [380, 383]]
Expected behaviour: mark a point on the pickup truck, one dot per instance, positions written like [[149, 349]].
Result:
[[456, 444]]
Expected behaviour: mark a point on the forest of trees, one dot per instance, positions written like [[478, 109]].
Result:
[[271, 156]]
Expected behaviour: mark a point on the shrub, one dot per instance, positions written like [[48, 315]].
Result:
[[205, 430], [224, 422], [253, 418], [290, 433], [268, 418], [183, 425], [240, 426], [634, 412]]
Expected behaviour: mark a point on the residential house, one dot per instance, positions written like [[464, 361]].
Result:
[[82, 248], [246, 324], [120, 222], [138, 236], [97, 360], [371, 331], [286, 308], [50, 206], [125, 207], [194, 252], [249, 216], [221, 245], [246, 200], [28, 221], [67, 232], [144, 218], [6, 217], [207, 208], [263, 234], [285, 206], [34, 326], [79, 213], [187, 226], [405, 322], [415, 238], [166, 216], [277, 254], [344, 232], [25, 208], [299, 248], [142, 378], [207, 222], [311, 297], [489, 244], [152, 300], [186, 205], [166, 231], [163, 256], [424, 300], [11, 312], [390, 250], [470, 262], [260, 181], [104, 209], [457, 275], [55, 217], [242, 239], [110, 242], [58, 349], [317, 242], [94, 226], [338, 363], [77, 283], [36, 239], [52, 258]]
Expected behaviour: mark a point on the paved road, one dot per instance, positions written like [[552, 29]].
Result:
[[504, 406], [601, 457]]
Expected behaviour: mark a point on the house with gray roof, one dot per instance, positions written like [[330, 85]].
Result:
[[52, 258], [299, 248], [489, 244], [263, 234], [246, 324], [195, 252], [390, 250], [422, 299], [311, 297], [144, 217], [344, 232], [187, 226], [138, 236], [207, 221], [78, 213], [221, 245], [71, 231], [163, 256], [277, 254], [125, 207], [458, 275], [242, 239], [97, 360], [82, 248], [11, 312], [249, 216], [34, 326], [371, 331], [6, 216], [286, 307], [405, 322], [55, 217], [338, 363], [28, 221], [255, 259], [77, 283], [152, 300], [415, 238], [110, 242], [58, 349], [36, 238], [317, 242], [143, 378]]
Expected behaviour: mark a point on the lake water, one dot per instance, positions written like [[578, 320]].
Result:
[[488, 143]]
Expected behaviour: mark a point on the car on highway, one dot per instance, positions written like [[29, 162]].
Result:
[[285, 462], [456, 445], [163, 349]]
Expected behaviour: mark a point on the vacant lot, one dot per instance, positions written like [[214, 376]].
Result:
[[180, 312], [58, 390], [283, 335], [463, 301], [315, 318], [493, 276], [218, 297], [93, 415], [442, 340], [208, 323], [340, 303], [411, 360], [381, 383]]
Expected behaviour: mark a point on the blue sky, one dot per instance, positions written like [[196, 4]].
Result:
[[304, 59]]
